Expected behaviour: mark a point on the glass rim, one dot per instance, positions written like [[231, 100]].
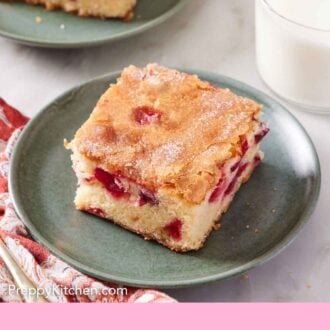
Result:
[[273, 10]]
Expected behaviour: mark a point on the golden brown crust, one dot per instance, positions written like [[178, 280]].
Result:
[[97, 8], [200, 127]]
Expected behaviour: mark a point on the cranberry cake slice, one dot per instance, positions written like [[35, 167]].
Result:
[[98, 8], [163, 154]]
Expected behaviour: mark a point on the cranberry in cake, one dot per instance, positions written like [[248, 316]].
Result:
[[98, 8], [163, 154]]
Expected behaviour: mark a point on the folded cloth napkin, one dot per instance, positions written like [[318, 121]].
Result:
[[61, 282]]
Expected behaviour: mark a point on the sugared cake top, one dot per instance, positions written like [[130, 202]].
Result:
[[166, 129]]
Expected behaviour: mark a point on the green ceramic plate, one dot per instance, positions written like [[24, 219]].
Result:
[[17, 21], [43, 185]]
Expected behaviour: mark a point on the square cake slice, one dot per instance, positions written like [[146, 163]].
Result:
[[163, 154], [98, 8]]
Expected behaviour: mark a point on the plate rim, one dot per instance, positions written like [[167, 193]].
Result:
[[269, 254], [30, 41]]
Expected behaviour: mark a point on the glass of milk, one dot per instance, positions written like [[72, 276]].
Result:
[[293, 50]]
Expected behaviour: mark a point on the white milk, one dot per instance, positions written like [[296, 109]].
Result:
[[293, 50]]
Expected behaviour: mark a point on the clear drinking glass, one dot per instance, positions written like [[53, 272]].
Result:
[[293, 59]]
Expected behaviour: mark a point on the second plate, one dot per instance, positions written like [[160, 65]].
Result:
[[61, 30]]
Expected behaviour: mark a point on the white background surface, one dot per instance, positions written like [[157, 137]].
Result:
[[214, 35]]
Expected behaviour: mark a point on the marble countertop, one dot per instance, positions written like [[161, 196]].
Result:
[[214, 35]]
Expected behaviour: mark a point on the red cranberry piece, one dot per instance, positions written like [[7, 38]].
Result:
[[244, 146], [146, 115], [231, 186], [235, 166], [233, 182], [257, 160], [96, 211], [217, 191], [111, 182], [241, 169], [147, 197], [258, 137], [174, 229]]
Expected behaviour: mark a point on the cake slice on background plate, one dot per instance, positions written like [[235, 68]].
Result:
[[98, 8], [163, 154]]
